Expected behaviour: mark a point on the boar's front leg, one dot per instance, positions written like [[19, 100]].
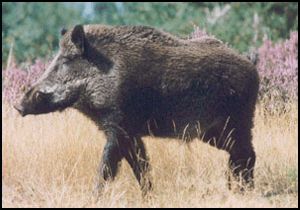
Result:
[[133, 150], [110, 159], [118, 146]]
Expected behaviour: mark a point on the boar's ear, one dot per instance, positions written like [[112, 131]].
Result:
[[63, 31], [77, 37]]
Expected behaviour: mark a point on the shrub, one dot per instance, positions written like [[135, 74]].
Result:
[[198, 33], [17, 79], [278, 70]]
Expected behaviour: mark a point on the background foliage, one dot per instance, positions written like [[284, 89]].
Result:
[[33, 28]]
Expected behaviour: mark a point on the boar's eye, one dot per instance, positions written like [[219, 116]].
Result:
[[38, 95], [66, 60]]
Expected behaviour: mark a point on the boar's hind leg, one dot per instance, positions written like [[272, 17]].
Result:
[[135, 154], [236, 140], [242, 161]]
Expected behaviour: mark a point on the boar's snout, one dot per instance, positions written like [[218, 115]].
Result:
[[20, 109], [33, 102]]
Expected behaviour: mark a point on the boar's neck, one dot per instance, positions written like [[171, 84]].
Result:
[[97, 58], [104, 118]]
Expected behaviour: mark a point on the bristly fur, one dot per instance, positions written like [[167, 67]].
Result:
[[134, 81]]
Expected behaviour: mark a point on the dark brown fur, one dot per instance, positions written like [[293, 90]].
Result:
[[133, 81]]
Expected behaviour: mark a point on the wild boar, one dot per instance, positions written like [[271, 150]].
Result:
[[134, 81]]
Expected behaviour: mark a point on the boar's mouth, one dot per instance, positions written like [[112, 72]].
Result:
[[20, 109]]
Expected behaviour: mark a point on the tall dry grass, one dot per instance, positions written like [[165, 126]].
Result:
[[51, 161]]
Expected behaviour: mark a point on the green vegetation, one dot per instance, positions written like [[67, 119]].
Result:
[[34, 27]]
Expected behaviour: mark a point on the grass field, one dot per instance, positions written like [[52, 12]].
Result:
[[51, 161]]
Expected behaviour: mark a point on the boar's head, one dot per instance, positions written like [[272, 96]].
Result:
[[66, 78]]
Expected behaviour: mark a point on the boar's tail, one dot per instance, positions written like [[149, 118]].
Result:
[[253, 56]]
